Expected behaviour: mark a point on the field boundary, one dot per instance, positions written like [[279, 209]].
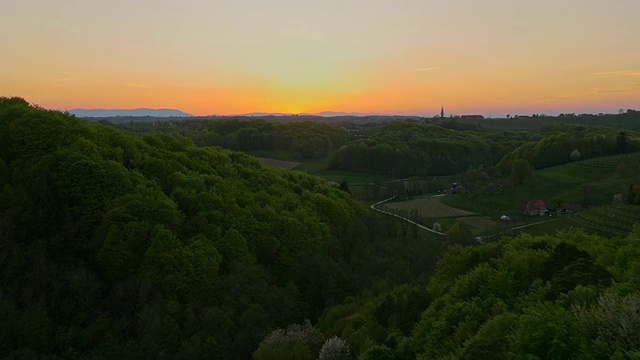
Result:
[[374, 208]]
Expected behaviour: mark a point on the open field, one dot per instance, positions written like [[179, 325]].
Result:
[[282, 164], [591, 183], [274, 154], [429, 210], [550, 227], [480, 224], [319, 168], [617, 220], [285, 160], [351, 177], [427, 207]]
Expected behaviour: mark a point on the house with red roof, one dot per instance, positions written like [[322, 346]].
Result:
[[536, 208], [568, 208]]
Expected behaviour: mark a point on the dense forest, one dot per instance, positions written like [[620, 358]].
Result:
[[563, 143], [624, 120], [116, 245], [305, 139], [569, 296], [409, 149], [161, 244]]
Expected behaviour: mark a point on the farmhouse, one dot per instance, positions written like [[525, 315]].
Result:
[[536, 208], [568, 208]]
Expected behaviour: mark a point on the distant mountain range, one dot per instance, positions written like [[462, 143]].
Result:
[[323, 114], [336, 113], [159, 113], [106, 113]]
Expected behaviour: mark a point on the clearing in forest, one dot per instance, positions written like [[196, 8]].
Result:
[[277, 163], [427, 208]]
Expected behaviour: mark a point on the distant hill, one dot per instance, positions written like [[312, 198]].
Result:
[[260, 114], [105, 113], [325, 114], [337, 113]]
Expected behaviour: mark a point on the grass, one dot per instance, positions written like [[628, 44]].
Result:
[[617, 220], [277, 163], [275, 154], [319, 168], [291, 160], [429, 210], [427, 207], [551, 227], [575, 183], [591, 183]]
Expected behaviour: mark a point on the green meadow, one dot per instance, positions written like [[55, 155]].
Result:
[[319, 168], [591, 183]]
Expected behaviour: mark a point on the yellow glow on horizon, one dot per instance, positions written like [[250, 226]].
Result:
[[284, 56]]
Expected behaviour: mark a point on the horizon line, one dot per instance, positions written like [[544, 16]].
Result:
[[345, 113]]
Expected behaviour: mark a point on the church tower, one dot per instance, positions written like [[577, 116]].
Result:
[[442, 112]]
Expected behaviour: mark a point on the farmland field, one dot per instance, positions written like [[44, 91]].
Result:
[[591, 182], [479, 223], [319, 168], [427, 207], [613, 220], [429, 210]]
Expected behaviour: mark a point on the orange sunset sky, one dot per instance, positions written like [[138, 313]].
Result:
[[203, 57]]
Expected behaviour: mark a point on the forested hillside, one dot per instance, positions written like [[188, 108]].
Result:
[[563, 143], [410, 149], [624, 120], [114, 245], [570, 296], [303, 139]]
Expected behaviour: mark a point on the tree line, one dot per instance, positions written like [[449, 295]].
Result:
[[563, 143], [407, 149], [411, 149], [304, 139]]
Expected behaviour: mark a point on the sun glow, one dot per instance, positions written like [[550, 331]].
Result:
[[400, 57]]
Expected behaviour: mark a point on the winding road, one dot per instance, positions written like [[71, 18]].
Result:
[[374, 207]]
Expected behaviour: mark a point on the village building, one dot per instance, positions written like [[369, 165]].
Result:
[[536, 208]]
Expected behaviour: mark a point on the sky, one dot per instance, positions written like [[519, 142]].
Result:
[[205, 57]]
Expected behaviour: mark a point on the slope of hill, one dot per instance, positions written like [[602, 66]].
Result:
[[568, 296], [119, 245], [629, 120], [114, 245]]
